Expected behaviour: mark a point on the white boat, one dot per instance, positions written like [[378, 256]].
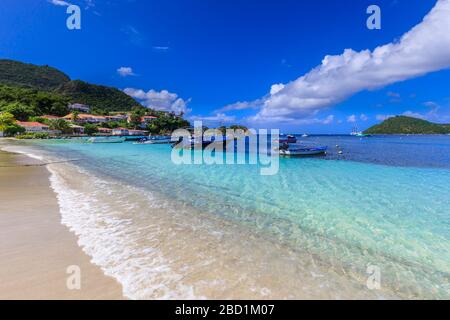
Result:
[[305, 135], [298, 151], [106, 140], [155, 140], [357, 133]]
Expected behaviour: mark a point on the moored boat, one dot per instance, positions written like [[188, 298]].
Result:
[[298, 151], [155, 140], [357, 133], [287, 139], [106, 140]]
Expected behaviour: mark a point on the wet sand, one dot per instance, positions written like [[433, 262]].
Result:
[[35, 248]]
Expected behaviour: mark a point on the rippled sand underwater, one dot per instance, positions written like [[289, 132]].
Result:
[[312, 231]]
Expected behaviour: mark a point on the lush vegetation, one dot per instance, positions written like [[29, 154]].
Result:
[[8, 125], [102, 99], [45, 80], [30, 135], [235, 127], [20, 74], [24, 103], [28, 92], [408, 125]]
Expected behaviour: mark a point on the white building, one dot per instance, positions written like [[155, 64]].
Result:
[[120, 132], [86, 118], [79, 107], [34, 127]]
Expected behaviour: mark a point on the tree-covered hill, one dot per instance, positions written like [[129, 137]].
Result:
[[408, 125], [15, 74], [96, 96], [26, 75]]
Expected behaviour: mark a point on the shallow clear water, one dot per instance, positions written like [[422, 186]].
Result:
[[225, 231]]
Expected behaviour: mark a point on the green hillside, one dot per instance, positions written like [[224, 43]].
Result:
[[98, 97], [41, 79], [25, 75], [408, 125]]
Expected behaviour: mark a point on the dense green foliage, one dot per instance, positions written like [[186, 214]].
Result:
[[90, 129], [60, 125], [20, 74], [30, 135], [8, 124], [408, 125], [45, 80], [100, 98], [235, 127], [27, 92], [23, 103], [167, 123]]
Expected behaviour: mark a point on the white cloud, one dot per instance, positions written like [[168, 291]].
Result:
[[393, 94], [304, 121], [160, 48], [414, 115], [423, 49], [351, 118], [363, 117], [382, 117], [125, 71], [217, 118], [59, 3], [240, 106], [431, 104], [159, 100]]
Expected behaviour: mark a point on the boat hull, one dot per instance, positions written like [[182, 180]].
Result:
[[303, 152]]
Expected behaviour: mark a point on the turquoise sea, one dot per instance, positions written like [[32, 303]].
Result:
[[317, 229]]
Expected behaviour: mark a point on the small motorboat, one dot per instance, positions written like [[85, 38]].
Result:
[[299, 151], [287, 139], [201, 142], [305, 135], [155, 140], [106, 140], [192, 143], [357, 133]]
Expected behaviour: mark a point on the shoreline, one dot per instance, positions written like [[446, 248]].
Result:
[[36, 249]]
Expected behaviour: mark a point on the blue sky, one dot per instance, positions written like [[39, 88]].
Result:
[[205, 57]]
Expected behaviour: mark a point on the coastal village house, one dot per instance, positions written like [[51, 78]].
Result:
[[34, 127], [106, 131], [120, 132], [128, 132], [77, 129], [145, 120], [86, 118], [79, 107]]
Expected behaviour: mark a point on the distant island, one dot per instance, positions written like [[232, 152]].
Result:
[[408, 125]]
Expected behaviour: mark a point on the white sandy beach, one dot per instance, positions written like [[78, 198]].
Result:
[[35, 248]]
